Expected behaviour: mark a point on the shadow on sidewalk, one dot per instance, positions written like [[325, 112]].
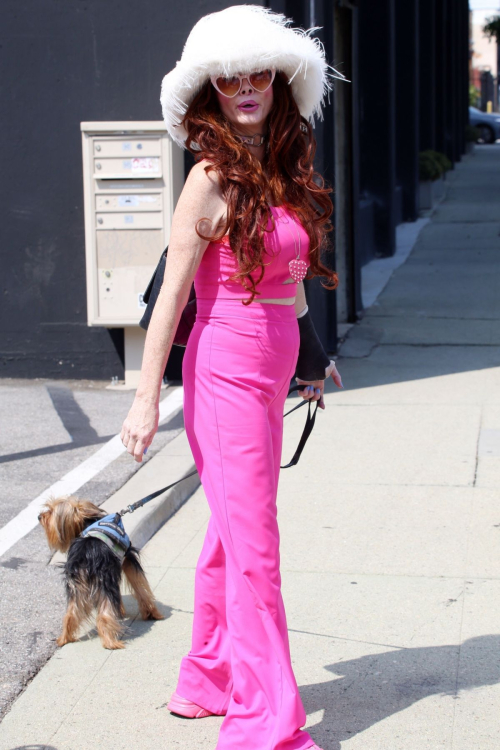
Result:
[[133, 625], [374, 687], [388, 365]]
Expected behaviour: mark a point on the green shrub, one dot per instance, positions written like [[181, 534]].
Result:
[[443, 161], [474, 96], [428, 166]]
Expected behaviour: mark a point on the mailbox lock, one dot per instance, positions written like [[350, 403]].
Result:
[[107, 273], [139, 145], [97, 148], [98, 166], [99, 221]]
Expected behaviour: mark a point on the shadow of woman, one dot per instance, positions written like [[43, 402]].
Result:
[[376, 686]]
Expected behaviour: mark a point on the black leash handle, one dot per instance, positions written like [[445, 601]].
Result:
[[305, 434], [307, 429]]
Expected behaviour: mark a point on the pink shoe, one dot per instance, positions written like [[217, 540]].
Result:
[[186, 708], [315, 747]]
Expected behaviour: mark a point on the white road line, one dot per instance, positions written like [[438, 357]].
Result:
[[27, 519]]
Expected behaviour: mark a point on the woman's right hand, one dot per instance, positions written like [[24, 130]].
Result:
[[313, 389], [140, 426]]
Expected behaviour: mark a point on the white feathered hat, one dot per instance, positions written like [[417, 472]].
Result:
[[241, 39]]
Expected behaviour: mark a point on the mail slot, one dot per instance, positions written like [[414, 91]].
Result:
[[137, 202], [118, 146], [119, 168]]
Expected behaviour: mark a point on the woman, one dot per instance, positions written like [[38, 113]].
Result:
[[246, 230]]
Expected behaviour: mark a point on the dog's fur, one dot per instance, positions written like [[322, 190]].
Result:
[[93, 572]]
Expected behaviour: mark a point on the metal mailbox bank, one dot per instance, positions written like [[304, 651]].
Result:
[[133, 174]]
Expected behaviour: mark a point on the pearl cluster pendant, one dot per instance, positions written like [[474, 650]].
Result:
[[297, 267]]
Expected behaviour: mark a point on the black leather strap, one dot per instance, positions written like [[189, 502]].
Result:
[[152, 495], [307, 429], [305, 434]]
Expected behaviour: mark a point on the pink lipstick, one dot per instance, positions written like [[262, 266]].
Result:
[[248, 106]]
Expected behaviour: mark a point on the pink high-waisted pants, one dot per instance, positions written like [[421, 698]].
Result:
[[237, 369]]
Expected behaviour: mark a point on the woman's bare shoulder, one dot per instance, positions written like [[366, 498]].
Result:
[[200, 173], [200, 200], [204, 189]]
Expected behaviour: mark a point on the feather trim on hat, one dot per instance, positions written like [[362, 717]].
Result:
[[243, 39]]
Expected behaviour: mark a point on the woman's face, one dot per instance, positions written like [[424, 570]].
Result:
[[247, 121]]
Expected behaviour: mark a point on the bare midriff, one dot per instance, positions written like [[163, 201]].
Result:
[[286, 301], [282, 301]]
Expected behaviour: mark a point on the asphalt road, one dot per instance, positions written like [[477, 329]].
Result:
[[47, 428]]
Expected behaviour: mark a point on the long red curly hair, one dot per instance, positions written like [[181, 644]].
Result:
[[290, 176]]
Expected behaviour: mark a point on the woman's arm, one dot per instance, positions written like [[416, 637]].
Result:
[[313, 388], [201, 197]]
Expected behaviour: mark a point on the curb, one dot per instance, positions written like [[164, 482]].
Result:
[[173, 462]]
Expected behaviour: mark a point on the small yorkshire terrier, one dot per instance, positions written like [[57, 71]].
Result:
[[94, 567]]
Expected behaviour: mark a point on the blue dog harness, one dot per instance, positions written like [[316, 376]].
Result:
[[110, 530]]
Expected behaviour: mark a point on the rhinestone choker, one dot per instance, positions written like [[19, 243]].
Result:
[[249, 140]]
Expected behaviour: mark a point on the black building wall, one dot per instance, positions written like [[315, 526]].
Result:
[[377, 118], [413, 96], [407, 106], [63, 63]]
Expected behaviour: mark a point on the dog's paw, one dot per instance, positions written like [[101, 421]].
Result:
[[113, 644], [62, 641], [153, 614]]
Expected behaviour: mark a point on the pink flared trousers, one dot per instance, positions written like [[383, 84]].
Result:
[[237, 369]]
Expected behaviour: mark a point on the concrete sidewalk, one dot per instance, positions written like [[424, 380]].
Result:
[[390, 533]]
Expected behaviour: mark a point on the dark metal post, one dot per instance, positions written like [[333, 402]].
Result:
[[407, 105], [377, 117]]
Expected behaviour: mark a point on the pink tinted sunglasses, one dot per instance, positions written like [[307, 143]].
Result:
[[231, 85]]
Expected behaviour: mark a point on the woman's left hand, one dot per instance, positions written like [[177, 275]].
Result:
[[314, 388]]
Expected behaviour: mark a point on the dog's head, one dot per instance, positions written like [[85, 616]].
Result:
[[64, 518]]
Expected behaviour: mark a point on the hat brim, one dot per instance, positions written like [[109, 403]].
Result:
[[244, 39]]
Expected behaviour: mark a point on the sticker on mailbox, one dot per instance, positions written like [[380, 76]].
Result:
[[145, 165], [128, 200]]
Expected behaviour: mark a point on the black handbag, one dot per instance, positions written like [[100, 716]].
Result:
[[188, 315]]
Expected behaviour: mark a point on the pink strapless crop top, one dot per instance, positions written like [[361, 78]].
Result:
[[219, 262]]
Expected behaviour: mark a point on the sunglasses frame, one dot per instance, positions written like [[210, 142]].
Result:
[[246, 75]]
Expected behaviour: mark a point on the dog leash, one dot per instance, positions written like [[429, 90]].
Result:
[[311, 418]]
